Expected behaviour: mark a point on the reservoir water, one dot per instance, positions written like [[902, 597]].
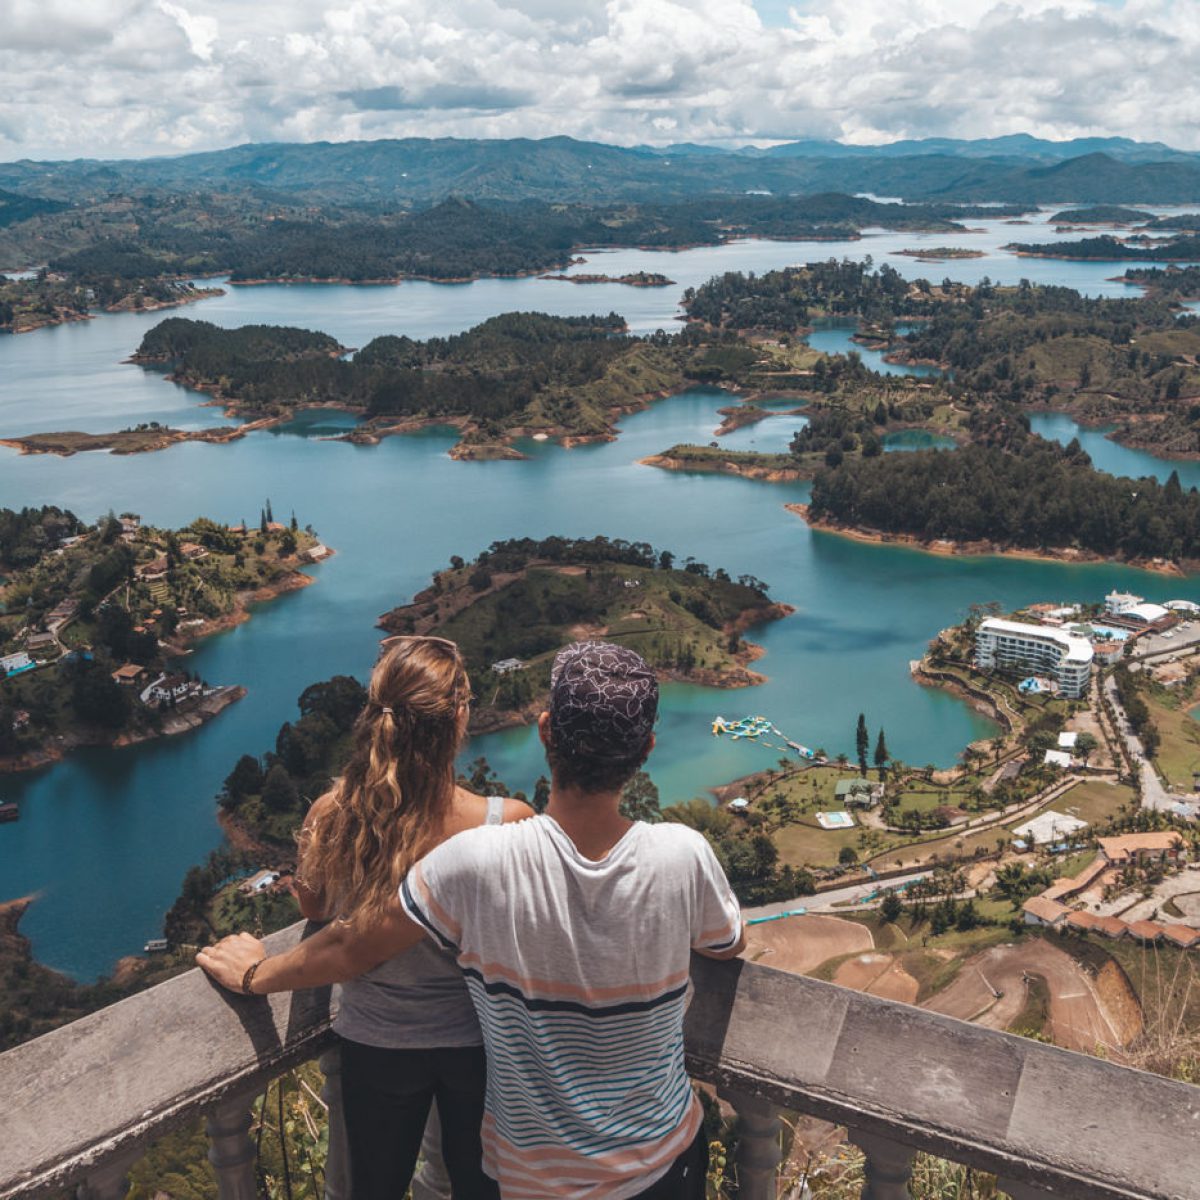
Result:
[[105, 837]]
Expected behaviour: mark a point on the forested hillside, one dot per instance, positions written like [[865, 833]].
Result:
[[1107, 248], [1037, 496], [520, 370]]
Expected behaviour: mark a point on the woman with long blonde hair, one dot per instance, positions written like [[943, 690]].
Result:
[[408, 1029]]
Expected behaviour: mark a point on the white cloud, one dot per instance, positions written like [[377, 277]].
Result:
[[116, 78]]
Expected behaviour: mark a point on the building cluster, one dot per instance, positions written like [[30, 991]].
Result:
[[1056, 648], [1064, 906]]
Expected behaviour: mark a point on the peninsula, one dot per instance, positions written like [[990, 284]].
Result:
[[54, 298], [518, 603], [94, 618], [1040, 498]]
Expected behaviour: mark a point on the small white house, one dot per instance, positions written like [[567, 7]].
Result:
[[11, 663], [1066, 741], [739, 804], [1058, 758], [507, 665]]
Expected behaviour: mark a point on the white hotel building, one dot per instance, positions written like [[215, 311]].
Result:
[[1016, 646]]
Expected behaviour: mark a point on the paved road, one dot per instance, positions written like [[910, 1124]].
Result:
[[1154, 795], [825, 901]]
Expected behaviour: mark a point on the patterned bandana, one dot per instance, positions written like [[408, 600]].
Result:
[[603, 701]]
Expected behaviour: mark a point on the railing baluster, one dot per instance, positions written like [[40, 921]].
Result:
[[232, 1152], [1022, 1191], [337, 1162], [758, 1153], [888, 1167], [109, 1181]]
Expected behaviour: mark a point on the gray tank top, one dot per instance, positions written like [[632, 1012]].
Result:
[[417, 1000]]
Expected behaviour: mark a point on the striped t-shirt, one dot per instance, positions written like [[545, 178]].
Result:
[[578, 971]]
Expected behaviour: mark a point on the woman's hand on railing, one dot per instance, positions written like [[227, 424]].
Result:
[[233, 961]]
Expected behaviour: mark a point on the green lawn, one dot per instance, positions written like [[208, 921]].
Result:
[[1094, 802], [1179, 753]]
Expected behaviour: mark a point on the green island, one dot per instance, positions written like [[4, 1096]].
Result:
[[519, 602], [1181, 221], [634, 279], [940, 253], [95, 618], [135, 439], [1101, 214], [1110, 249], [515, 375]]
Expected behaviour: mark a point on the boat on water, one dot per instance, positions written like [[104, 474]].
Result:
[[9, 812]]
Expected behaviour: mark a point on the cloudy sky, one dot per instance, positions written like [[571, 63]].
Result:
[[128, 78]]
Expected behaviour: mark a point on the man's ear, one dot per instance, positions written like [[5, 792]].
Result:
[[544, 728]]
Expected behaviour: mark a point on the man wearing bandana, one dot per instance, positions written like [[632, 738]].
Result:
[[574, 930]]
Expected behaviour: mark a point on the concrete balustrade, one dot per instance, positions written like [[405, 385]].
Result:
[[79, 1105]]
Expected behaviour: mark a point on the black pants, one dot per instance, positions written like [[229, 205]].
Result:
[[386, 1096], [686, 1178]]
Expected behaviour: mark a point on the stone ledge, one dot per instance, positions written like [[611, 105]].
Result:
[[1078, 1127], [100, 1089]]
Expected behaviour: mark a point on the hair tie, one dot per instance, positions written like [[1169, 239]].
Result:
[[387, 710]]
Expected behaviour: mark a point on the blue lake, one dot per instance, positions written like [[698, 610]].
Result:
[[105, 838]]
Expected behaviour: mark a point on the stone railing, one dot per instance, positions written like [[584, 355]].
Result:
[[78, 1106]]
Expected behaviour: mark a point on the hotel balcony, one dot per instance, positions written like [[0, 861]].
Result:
[[81, 1104]]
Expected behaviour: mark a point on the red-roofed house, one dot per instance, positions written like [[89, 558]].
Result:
[[1139, 848], [1182, 936]]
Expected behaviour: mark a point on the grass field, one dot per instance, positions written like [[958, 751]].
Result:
[[1094, 801], [1179, 754]]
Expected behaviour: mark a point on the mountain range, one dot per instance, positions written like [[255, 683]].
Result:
[[420, 171]]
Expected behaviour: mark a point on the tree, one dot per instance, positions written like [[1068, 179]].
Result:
[[483, 781], [279, 793], [246, 779], [881, 753], [847, 856], [639, 799], [862, 742], [340, 699], [541, 795], [1086, 745], [891, 907], [97, 699]]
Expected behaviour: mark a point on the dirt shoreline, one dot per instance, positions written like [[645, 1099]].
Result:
[[725, 467], [951, 548]]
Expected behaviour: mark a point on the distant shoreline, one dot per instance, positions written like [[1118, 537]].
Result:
[[951, 548]]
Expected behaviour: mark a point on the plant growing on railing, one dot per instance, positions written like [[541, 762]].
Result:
[[291, 1126]]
